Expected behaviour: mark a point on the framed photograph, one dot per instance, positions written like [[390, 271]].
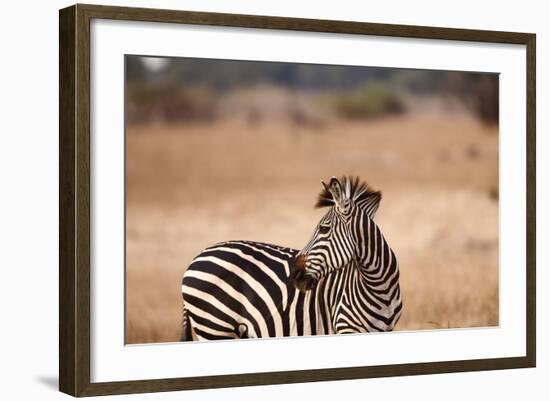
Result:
[[250, 200]]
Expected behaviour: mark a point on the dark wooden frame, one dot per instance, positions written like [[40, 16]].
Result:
[[74, 199]]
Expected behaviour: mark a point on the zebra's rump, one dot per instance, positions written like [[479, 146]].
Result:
[[238, 289]]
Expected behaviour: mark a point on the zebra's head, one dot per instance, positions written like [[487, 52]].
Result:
[[334, 243]]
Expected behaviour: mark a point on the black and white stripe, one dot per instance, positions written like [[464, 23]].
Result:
[[245, 289]]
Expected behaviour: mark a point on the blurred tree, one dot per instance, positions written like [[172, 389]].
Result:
[[478, 91], [166, 86]]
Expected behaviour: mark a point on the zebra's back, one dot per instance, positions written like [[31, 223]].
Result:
[[239, 289]]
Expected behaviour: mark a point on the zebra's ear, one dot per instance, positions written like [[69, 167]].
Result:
[[340, 194]]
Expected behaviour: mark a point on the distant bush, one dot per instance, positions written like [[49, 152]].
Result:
[[485, 98], [478, 92], [149, 102], [369, 101]]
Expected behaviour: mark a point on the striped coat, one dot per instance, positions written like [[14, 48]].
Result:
[[245, 289]]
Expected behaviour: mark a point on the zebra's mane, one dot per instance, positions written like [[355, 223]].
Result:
[[359, 191]]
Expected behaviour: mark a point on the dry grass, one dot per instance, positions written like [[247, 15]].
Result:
[[190, 186]]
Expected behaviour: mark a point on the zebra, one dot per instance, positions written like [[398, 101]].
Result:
[[345, 280]]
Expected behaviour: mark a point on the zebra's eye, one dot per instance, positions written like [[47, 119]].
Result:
[[324, 229]]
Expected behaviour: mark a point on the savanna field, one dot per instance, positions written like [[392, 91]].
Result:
[[190, 185]]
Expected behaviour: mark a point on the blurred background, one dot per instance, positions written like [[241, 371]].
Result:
[[219, 150]]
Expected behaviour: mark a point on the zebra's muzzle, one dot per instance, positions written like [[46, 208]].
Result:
[[301, 280]]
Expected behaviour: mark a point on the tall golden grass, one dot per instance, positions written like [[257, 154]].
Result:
[[189, 186]]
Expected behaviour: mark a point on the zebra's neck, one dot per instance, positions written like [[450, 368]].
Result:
[[377, 278], [374, 258]]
